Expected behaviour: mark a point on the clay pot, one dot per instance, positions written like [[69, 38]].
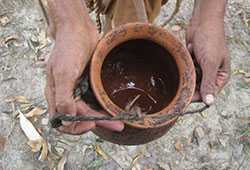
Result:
[[156, 71]]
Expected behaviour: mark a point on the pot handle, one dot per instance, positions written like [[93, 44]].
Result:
[[56, 121]]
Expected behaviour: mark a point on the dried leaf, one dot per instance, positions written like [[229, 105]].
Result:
[[59, 151], [25, 107], [2, 143], [35, 112], [62, 162], [45, 121], [101, 152], [243, 72], [176, 28], [36, 142], [135, 159], [53, 154], [44, 152], [246, 19], [176, 10], [247, 80], [4, 20], [9, 39], [35, 145], [28, 128], [148, 168], [178, 145], [19, 99]]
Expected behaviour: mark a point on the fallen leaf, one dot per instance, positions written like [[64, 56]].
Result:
[[101, 152], [242, 72], [25, 107], [176, 10], [247, 80], [35, 145], [35, 112], [62, 162], [36, 142], [148, 168], [45, 121], [2, 143], [135, 159], [59, 151], [178, 145], [4, 20], [53, 154], [19, 99], [176, 28], [9, 39], [28, 128], [44, 151]]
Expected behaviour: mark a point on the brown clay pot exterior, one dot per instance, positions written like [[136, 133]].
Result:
[[137, 133]]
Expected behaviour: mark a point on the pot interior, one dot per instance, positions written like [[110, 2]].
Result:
[[140, 74]]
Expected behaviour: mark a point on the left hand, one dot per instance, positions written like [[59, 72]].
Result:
[[206, 42]]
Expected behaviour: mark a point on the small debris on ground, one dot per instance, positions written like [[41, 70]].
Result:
[[178, 145], [2, 143], [4, 20]]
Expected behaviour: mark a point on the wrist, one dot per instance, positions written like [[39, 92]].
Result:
[[70, 15], [208, 12]]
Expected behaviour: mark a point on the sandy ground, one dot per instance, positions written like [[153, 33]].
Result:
[[208, 141]]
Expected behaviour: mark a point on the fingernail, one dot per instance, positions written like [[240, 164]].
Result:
[[189, 46], [65, 123], [209, 99]]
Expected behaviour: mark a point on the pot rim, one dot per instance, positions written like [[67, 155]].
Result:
[[160, 36]]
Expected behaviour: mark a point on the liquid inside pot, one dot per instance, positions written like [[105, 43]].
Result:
[[140, 73]]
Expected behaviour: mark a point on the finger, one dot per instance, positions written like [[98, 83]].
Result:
[[221, 80], [208, 83], [64, 95], [189, 35], [49, 92], [223, 74], [190, 48], [111, 125], [64, 101], [77, 128], [65, 104], [196, 97]]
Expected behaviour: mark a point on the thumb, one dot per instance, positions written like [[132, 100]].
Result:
[[65, 102], [208, 83], [83, 108]]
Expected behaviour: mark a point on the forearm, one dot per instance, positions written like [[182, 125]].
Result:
[[209, 11], [71, 15]]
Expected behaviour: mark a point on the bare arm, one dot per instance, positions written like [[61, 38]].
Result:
[[205, 39]]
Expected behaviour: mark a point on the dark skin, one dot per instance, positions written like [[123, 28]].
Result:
[[76, 37]]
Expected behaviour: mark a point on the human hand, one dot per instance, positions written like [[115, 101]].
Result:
[[206, 42], [75, 37]]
